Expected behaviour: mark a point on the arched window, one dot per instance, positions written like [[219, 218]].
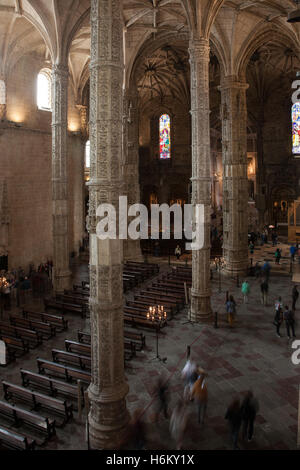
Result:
[[87, 157], [296, 128], [2, 92], [44, 90], [164, 136]]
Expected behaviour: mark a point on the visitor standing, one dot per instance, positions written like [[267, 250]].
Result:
[[289, 319], [278, 316], [245, 291], [264, 288]]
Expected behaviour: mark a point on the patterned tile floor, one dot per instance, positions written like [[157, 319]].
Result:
[[249, 355]]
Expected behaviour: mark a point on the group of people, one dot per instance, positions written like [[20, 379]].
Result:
[[195, 393], [286, 315]]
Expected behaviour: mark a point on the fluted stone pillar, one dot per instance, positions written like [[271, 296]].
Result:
[[61, 277], [235, 181], [132, 248], [108, 417], [201, 180]]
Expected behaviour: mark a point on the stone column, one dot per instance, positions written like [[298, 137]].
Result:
[[83, 119], [61, 274], [108, 417], [132, 248], [235, 181], [201, 180]]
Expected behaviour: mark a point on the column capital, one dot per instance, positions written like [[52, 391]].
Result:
[[199, 49], [232, 82], [60, 70]]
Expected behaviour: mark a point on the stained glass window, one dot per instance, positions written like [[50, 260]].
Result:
[[165, 136], [296, 128]]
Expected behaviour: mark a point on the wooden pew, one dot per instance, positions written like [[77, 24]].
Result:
[[36, 400], [58, 321], [53, 386], [64, 357], [17, 415], [69, 373], [33, 338], [12, 440], [129, 349], [65, 307], [46, 330], [19, 345]]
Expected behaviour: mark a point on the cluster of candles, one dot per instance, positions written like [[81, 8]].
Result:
[[219, 262], [156, 313], [3, 283]]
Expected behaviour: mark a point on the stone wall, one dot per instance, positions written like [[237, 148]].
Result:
[[25, 153]]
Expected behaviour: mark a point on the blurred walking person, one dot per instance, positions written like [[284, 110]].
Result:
[[278, 319], [231, 310], [295, 295], [199, 393], [189, 374], [234, 417], [249, 409], [162, 398], [178, 423]]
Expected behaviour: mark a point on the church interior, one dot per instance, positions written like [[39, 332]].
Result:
[[145, 343]]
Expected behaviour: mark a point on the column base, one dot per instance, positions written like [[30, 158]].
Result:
[[235, 269], [108, 419], [61, 281], [201, 310], [132, 251]]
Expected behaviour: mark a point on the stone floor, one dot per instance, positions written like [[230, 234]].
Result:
[[249, 355]]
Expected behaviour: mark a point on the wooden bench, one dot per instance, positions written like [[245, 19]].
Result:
[[84, 339], [78, 347], [58, 321], [19, 345], [46, 330], [65, 307], [18, 416], [69, 373], [65, 357], [38, 400], [11, 440], [53, 386], [33, 338]]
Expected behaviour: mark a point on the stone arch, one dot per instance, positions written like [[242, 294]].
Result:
[[259, 36]]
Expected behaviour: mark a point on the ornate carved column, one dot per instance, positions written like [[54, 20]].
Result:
[[108, 417], [235, 181], [61, 277], [83, 119], [132, 248], [201, 180]]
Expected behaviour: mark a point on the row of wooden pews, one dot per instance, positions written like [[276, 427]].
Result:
[[28, 330]]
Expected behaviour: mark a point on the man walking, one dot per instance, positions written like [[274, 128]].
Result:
[[278, 316]]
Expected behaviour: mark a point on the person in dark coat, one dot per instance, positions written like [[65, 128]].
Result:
[[234, 417], [264, 288], [288, 317], [163, 398], [249, 410], [295, 295]]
